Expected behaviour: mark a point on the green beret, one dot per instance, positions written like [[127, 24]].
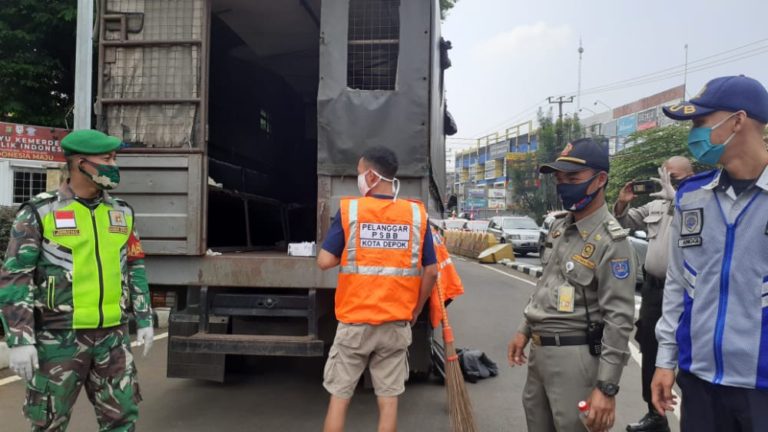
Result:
[[90, 142]]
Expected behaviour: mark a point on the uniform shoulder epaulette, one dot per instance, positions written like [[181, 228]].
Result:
[[120, 201], [41, 199], [615, 231], [695, 182]]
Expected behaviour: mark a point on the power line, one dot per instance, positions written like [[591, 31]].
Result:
[[515, 117], [730, 56], [679, 69], [705, 66]]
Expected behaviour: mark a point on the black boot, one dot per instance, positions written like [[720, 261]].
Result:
[[652, 422]]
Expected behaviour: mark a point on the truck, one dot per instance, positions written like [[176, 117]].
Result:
[[243, 122]]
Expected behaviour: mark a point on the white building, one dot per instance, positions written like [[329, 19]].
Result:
[[30, 161]]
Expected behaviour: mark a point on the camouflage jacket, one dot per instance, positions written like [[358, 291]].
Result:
[[26, 303]]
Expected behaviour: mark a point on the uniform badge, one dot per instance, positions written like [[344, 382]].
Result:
[[65, 219], [555, 234], [117, 223], [117, 218], [565, 298], [692, 222], [588, 250], [583, 261], [65, 223], [620, 268]]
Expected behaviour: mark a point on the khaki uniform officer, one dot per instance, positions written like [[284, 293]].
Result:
[[587, 284]]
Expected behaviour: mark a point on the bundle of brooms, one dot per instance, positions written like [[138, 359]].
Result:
[[459, 405]]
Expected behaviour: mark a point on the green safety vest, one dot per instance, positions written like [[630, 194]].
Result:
[[82, 270]]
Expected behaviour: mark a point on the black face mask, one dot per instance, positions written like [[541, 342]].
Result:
[[675, 182], [575, 196]]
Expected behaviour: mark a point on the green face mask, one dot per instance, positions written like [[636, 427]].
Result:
[[107, 176]]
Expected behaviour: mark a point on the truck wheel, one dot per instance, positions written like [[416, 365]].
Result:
[[421, 376]]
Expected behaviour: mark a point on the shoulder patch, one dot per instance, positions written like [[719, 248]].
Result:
[[615, 231], [620, 268]]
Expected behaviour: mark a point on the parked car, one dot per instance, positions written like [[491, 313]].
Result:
[[478, 225], [520, 231], [454, 224]]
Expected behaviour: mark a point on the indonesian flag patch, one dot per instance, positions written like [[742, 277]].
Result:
[[65, 219]]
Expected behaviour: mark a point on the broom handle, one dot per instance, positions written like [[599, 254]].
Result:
[[447, 330]]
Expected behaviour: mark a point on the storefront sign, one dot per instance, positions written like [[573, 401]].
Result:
[[497, 193], [36, 143]]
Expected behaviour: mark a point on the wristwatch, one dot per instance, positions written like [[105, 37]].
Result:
[[608, 389]]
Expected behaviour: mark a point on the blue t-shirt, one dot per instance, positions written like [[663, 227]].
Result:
[[335, 241]]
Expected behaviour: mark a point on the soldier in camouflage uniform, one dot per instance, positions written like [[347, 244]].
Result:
[[72, 277]]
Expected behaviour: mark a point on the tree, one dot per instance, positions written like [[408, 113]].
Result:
[[445, 6], [545, 198], [37, 52], [646, 151]]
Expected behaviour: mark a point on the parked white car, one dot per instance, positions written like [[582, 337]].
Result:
[[520, 231]]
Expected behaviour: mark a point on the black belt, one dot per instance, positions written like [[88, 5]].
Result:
[[558, 340]]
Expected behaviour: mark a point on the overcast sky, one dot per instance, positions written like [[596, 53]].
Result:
[[509, 56]]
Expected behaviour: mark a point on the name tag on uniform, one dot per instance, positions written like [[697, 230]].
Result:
[[384, 236], [689, 241], [565, 298]]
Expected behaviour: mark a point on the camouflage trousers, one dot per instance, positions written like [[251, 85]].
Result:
[[102, 360]]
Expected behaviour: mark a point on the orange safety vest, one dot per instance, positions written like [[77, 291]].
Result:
[[380, 269], [447, 278]]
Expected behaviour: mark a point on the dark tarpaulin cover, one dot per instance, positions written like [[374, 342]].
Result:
[[350, 120]]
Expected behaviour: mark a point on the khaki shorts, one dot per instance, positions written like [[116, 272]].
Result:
[[382, 348]]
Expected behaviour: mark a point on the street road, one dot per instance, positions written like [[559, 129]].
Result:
[[288, 396], [532, 259]]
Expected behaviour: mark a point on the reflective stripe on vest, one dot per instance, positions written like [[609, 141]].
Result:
[[353, 268], [90, 245]]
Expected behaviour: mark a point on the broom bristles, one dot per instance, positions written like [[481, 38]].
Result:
[[459, 405]]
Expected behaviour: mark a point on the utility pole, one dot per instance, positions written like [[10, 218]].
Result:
[[560, 101], [685, 74], [553, 201], [84, 64], [578, 94]]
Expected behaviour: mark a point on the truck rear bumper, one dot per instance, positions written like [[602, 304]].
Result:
[[260, 345], [246, 269]]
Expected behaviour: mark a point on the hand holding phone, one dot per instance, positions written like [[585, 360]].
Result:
[[644, 187]]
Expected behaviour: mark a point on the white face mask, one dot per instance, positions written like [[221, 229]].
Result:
[[362, 184]]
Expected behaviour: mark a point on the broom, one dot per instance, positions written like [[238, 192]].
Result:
[[459, 405]]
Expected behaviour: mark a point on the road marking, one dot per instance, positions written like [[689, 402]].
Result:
[[637, 357], [9, 380], [635, 353], [509, 275], [13, 379]]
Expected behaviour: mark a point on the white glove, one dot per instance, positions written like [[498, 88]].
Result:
[[667, 191], [145, 336], [23, 361]]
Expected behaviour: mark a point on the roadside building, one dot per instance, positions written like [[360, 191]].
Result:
[[30, 161]]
